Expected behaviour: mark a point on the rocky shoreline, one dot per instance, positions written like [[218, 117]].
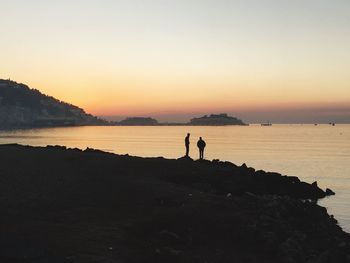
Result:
[[68, 205]]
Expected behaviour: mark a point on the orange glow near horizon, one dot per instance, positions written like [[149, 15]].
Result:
[[183, 57], [129, 97]]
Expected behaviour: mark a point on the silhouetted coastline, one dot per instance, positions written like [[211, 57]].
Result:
[[68, 205], [22, 107]]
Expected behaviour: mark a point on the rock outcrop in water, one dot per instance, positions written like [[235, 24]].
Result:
[[68, 205], [22, 107]]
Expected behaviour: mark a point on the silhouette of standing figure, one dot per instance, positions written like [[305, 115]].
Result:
[[201, 145], [187, 144]]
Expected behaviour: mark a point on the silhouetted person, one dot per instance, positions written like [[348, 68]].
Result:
[[201, 145], [187, 144]]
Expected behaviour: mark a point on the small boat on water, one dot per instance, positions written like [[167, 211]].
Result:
[[266, 124]]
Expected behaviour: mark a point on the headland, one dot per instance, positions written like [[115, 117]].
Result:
[[69, 205]]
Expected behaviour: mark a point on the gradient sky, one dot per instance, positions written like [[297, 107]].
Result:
[[282, 60]]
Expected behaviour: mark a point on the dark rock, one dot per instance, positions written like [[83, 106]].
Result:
[[157, 210], [329, 192], [251, 170], [185, 158], [56, 147], [215, 161]]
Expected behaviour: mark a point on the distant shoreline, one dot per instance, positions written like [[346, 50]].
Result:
[[114, 125], [161, 125], [184, 124]]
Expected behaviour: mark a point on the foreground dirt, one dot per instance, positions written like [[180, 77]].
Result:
[[66, 205]]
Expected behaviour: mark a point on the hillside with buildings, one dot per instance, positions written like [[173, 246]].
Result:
[[23, 107]]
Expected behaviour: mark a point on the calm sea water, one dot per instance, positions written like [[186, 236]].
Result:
[[313, 153]]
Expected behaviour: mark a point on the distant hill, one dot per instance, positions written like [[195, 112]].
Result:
[[23, 107], [216, 120], [138, 121]]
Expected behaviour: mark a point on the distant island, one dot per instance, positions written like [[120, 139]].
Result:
[[211, 120], [216, 120], [138, 121], [23, 107]]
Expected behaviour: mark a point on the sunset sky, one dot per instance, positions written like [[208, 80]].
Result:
[[281, 60]]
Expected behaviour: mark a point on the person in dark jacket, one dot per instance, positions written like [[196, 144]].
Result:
[[187, 144], [201, 145]]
